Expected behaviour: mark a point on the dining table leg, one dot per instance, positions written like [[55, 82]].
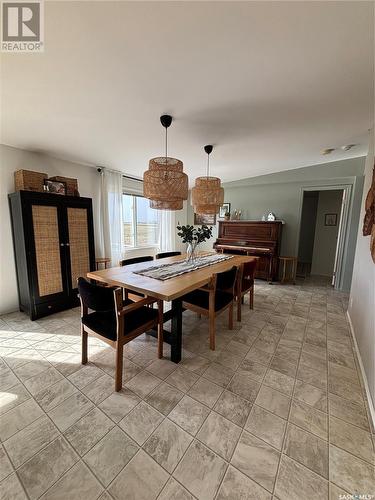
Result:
[[173, 337], [176, 331]]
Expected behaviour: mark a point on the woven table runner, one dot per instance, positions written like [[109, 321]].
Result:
[[166, 271]]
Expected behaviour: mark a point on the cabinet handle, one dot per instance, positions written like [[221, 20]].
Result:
[[61, 244], [67, 244]]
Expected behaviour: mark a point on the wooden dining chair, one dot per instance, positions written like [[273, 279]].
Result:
[[245, 284], [213, 299], [163, 255], [116, 321]]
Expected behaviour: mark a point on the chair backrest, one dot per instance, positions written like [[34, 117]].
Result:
[[227, 279], [136, 260], [163, 255], [249, 269], [95, 297]]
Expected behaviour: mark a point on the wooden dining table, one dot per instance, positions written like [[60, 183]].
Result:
[[170, 290]]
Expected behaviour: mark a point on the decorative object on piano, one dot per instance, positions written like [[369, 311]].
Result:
[[330, 219], [193, 237], [206, 219], [270, 217], [164, 183], [207, 196], [369, 219], [71, 184], [256, 238], [27, 180], [224, 210], [55, 187], [237, 215]]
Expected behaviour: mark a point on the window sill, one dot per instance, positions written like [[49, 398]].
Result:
[[145, 247]]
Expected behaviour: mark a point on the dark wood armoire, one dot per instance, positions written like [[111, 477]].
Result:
[[53, 238], [261, 239]]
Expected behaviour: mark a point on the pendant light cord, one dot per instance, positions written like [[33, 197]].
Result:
[[166, 146]]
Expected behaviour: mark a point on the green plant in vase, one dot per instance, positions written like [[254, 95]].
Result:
[[193, 236]]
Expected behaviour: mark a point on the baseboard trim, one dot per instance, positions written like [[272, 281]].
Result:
[[364, 377], [10, 311]]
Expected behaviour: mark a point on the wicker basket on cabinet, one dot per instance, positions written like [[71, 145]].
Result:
[[27, 180]]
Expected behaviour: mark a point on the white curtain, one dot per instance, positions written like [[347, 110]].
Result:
[[112, 234], [167, 230]]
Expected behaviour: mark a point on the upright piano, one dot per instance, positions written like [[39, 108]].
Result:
[[258, 238]]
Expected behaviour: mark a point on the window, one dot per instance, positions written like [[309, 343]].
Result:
[[140, 222]]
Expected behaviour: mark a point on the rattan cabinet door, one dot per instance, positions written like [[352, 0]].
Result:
[[79, 243], [45, 221]]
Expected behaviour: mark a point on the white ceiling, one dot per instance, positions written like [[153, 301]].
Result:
[[270, 84]]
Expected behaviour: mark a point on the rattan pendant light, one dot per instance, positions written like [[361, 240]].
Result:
[[207, 196], [164, 183]]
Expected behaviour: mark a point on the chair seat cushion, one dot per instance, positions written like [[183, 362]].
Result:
[[104, 323], [200, 298]]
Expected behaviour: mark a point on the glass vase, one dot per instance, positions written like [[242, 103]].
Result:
[[191, 253]]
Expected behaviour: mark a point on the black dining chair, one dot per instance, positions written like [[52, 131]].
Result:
[[116, 321], [135, 260], [163, 255], [213, 299]]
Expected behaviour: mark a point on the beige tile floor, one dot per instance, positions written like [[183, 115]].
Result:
[[278, 411]]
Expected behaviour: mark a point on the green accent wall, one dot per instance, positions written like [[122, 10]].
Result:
[[282, 193]]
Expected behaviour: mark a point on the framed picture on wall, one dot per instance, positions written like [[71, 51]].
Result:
[[208, 220], [330, 220]]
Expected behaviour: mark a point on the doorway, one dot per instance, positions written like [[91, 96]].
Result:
[[321, 231]]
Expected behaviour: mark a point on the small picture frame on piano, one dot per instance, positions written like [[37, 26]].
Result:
[[224, 209]]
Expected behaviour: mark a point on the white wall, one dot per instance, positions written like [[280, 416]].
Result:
[[325, 240], [361, 309], [12, 159]]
